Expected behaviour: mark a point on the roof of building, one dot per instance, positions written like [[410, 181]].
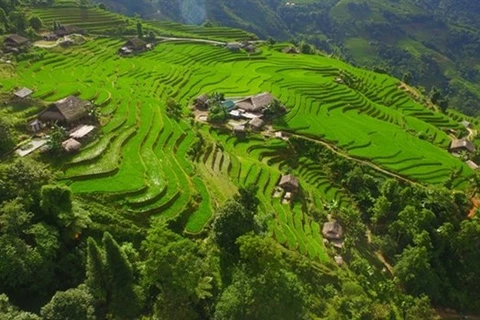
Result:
[[239, 128], [250, 48], [234, 45], [257, 123], [472, 164], [68, 29], [136, 43], [228, 104], [289, 50], [69, 109], [332, 230], [81, 132], [462, 144], [202, 98], [71, 145], [15, 38], [289, 180], [23, 93], [465, 123], [256, 103]]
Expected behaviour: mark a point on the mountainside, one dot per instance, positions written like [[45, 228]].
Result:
[[431, 43], [155, 170]]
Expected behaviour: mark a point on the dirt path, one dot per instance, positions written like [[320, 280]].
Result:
[[476, 206], [379, 254], [364, 162]]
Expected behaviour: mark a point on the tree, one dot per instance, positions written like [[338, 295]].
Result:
[[18, 20], [407, 77], [174, 109], [7, 141], [178, 274], [139, 29], [36, 23], [247, 197], [122, 300], [435, 95], [55, 200], [73, 304], [95, 273], [8, 311], [152, 35], [55, 139], [262, 287], [231, 221], [271, 41], [217, 113]]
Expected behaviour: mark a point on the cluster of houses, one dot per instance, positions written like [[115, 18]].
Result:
[[332, 231], [134, 46], [464, 146], [15, 43], [249, 47], [71, 113], [247, 113]]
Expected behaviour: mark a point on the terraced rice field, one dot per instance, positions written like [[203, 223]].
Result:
[[140, 158], [99, 21]]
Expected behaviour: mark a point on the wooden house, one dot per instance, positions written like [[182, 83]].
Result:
[[15, 43], [459, 145], [332, 231], [65, 30], [289, 183], [257, 103], [67, 111]]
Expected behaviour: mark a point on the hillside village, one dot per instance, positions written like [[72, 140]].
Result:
[[328, 176]]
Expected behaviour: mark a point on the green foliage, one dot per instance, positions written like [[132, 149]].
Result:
[[36, 23], [7, 140], [7, 311], [56, 200], [123, 301], [232, 221], [179, 274], [139, 29], [56, 137], [95, 273], [74, 304], [174, 109]]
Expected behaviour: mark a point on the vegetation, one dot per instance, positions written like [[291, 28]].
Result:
[[161, 216]]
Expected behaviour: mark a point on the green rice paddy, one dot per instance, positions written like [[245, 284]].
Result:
[[140, 157]]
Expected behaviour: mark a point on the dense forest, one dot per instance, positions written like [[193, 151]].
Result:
[[428, 43]]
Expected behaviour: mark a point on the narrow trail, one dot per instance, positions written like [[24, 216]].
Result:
[[364, 162], [379, 254]]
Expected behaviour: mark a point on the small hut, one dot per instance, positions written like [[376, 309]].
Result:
[[202, 102], [289, 183], [290, 50], [472, 165], [239, 130], [332, 231], [71, 145], [66, 111], [459, 145], [23, 93]]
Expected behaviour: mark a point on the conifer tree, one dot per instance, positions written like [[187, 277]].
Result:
[[122, 301], [95, 278]]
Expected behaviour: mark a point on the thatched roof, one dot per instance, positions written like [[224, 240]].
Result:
[[257, 123], [256, 103], [291, 50], [289, 182], [68, 29], [239, 128], [462, 144], [23, 93], [202, 98], [332, 230], [15, 39], [68, 110], [136, 44], [71, 145]]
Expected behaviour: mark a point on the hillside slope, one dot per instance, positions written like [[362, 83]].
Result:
[[434, 42]]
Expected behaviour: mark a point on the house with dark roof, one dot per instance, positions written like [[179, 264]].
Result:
[[202, 102], [133, 45], [65, 30], [234, 46], [290, 50], [15, 43], [256, 124], [289, 183], [67, 111], [257, 103], [459, 145], [332, 231]]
